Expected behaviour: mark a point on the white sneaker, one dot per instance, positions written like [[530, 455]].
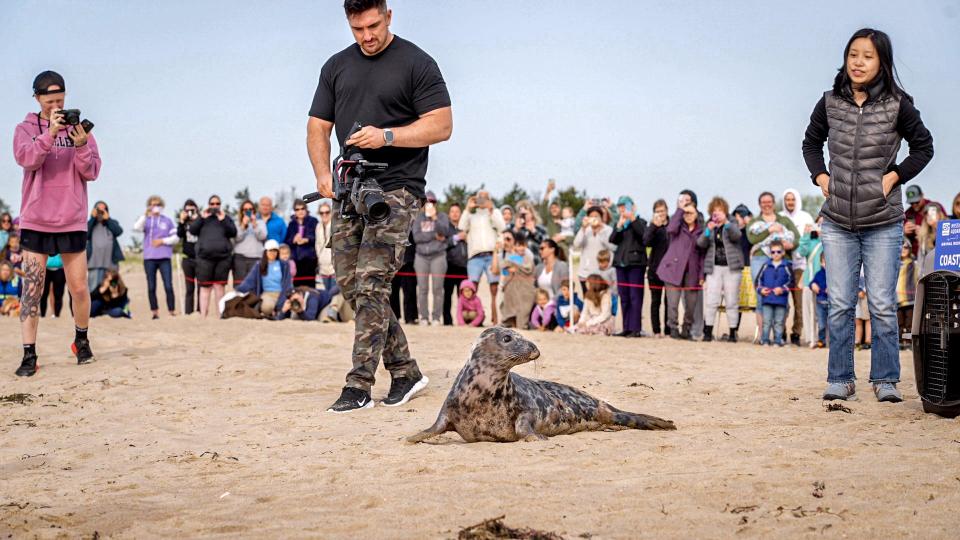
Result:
[[424, 322], [437, 322]]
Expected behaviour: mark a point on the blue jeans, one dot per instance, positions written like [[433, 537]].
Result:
[[774, 316], [877, 250], [823, 314], [479, 265], [163, 265]]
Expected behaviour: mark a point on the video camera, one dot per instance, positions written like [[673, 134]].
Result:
[[356, 186]]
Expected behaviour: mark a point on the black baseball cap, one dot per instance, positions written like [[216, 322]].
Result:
[[914, 194], [45, 80]]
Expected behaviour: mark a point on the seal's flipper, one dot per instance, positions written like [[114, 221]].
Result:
[[638, 421], [525, 430], [441, 426]]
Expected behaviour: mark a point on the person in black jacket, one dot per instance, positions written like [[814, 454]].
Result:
[[630, 261], [456, 262], [655, 237], [189, 214], [213, 230], [863, 119], [405, 280]]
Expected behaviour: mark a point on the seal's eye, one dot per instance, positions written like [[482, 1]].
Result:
[[507, 339]]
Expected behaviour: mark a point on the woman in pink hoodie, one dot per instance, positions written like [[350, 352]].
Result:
[[58, 160]]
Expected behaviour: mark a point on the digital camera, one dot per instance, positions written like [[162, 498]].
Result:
[[357, 186], [71, 117]]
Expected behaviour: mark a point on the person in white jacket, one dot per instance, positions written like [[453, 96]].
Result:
[[324, 253], [482, 223], [793, 209], [592, 238]]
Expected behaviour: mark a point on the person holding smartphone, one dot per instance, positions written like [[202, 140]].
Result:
[[57, 160], [215, 231], [188, 215], [159, 237], [251, 234]]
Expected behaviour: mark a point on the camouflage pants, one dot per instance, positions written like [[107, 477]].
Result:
[[366, 256]]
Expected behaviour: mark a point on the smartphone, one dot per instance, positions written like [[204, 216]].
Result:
[[87, 125]]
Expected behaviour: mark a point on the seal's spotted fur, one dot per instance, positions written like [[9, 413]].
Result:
[[489, 403]]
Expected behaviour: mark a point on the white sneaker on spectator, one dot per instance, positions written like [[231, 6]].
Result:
[[437, 322], [424, 322]]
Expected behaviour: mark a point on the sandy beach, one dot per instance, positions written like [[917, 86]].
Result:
[[207, 428]]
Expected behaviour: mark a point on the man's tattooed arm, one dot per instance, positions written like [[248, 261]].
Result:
[[33, 275]]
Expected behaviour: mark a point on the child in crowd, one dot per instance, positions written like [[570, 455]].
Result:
[[568, 224], [469, 307], [609, 274], [12, 254], [819, 287], [862, 335], [110, 298], [567, 314], [597, 317], [906, 291], [10, 289], [542, 316], [285, 257], [773, 284]]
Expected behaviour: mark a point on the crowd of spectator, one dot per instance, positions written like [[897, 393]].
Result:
[[723, 262]]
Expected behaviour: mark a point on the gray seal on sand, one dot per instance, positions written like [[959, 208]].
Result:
[[489, 403]]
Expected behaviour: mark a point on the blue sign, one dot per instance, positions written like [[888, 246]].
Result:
[[948, 246]]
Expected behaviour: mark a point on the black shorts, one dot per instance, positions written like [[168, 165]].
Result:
[[213, 271], [53, 243]]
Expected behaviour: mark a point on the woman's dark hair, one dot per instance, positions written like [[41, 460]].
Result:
[[244, 203], [557, 250], [264, 263], [660, 202], [105, 205], [356, 7], [7, 216], [596, 286], [121, 286], [190, 202], [519, 237], [212, 197], [888, 71], [765, 194], [596, 209]]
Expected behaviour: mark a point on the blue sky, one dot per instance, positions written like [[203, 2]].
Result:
[[639, 98]]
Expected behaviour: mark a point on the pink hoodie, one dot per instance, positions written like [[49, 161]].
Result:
[[55, 175], [469, 304]]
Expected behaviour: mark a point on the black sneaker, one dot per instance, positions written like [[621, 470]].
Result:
[[351, 399], [81, 349], [795, 340], [28, 368], [404, 388]]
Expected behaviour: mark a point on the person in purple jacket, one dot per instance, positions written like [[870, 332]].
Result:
[[682, 266], [302, 239], [57, 160], [159, 237]]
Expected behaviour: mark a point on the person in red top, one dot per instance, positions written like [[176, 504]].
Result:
[[57, 160]]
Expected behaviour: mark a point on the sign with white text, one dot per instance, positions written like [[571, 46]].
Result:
[[947, 250]]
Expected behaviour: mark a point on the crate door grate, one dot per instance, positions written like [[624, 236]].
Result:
[[936, 336]]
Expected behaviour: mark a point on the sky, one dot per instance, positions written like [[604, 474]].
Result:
[[642, 98]]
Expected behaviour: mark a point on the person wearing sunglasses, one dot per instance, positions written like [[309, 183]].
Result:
[[6, 228], [773, 285], [215, 231], [302, 238], [324, 252]]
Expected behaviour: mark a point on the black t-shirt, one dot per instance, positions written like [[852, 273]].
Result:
[[391, 89]]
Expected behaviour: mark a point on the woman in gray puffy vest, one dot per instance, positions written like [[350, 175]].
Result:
[[863, 120]]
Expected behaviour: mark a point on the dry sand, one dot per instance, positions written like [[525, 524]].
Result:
[[193, 428]]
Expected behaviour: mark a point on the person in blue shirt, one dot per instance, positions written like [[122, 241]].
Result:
[[773, 284], [10, 289], [307, 303], [567, 314], [269, 281], [819, 287], [276, 228]]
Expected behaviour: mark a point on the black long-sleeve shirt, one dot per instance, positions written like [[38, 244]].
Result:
[[909, 126]]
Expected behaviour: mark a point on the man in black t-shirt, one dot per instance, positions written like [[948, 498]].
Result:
[[396, 91]]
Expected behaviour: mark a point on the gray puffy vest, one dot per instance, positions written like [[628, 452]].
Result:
[[863, 142]]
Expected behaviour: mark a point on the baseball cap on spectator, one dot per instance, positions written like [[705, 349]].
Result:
[[43, 82], [914, 194], [271, 244], [625, 201], [431, 197]]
